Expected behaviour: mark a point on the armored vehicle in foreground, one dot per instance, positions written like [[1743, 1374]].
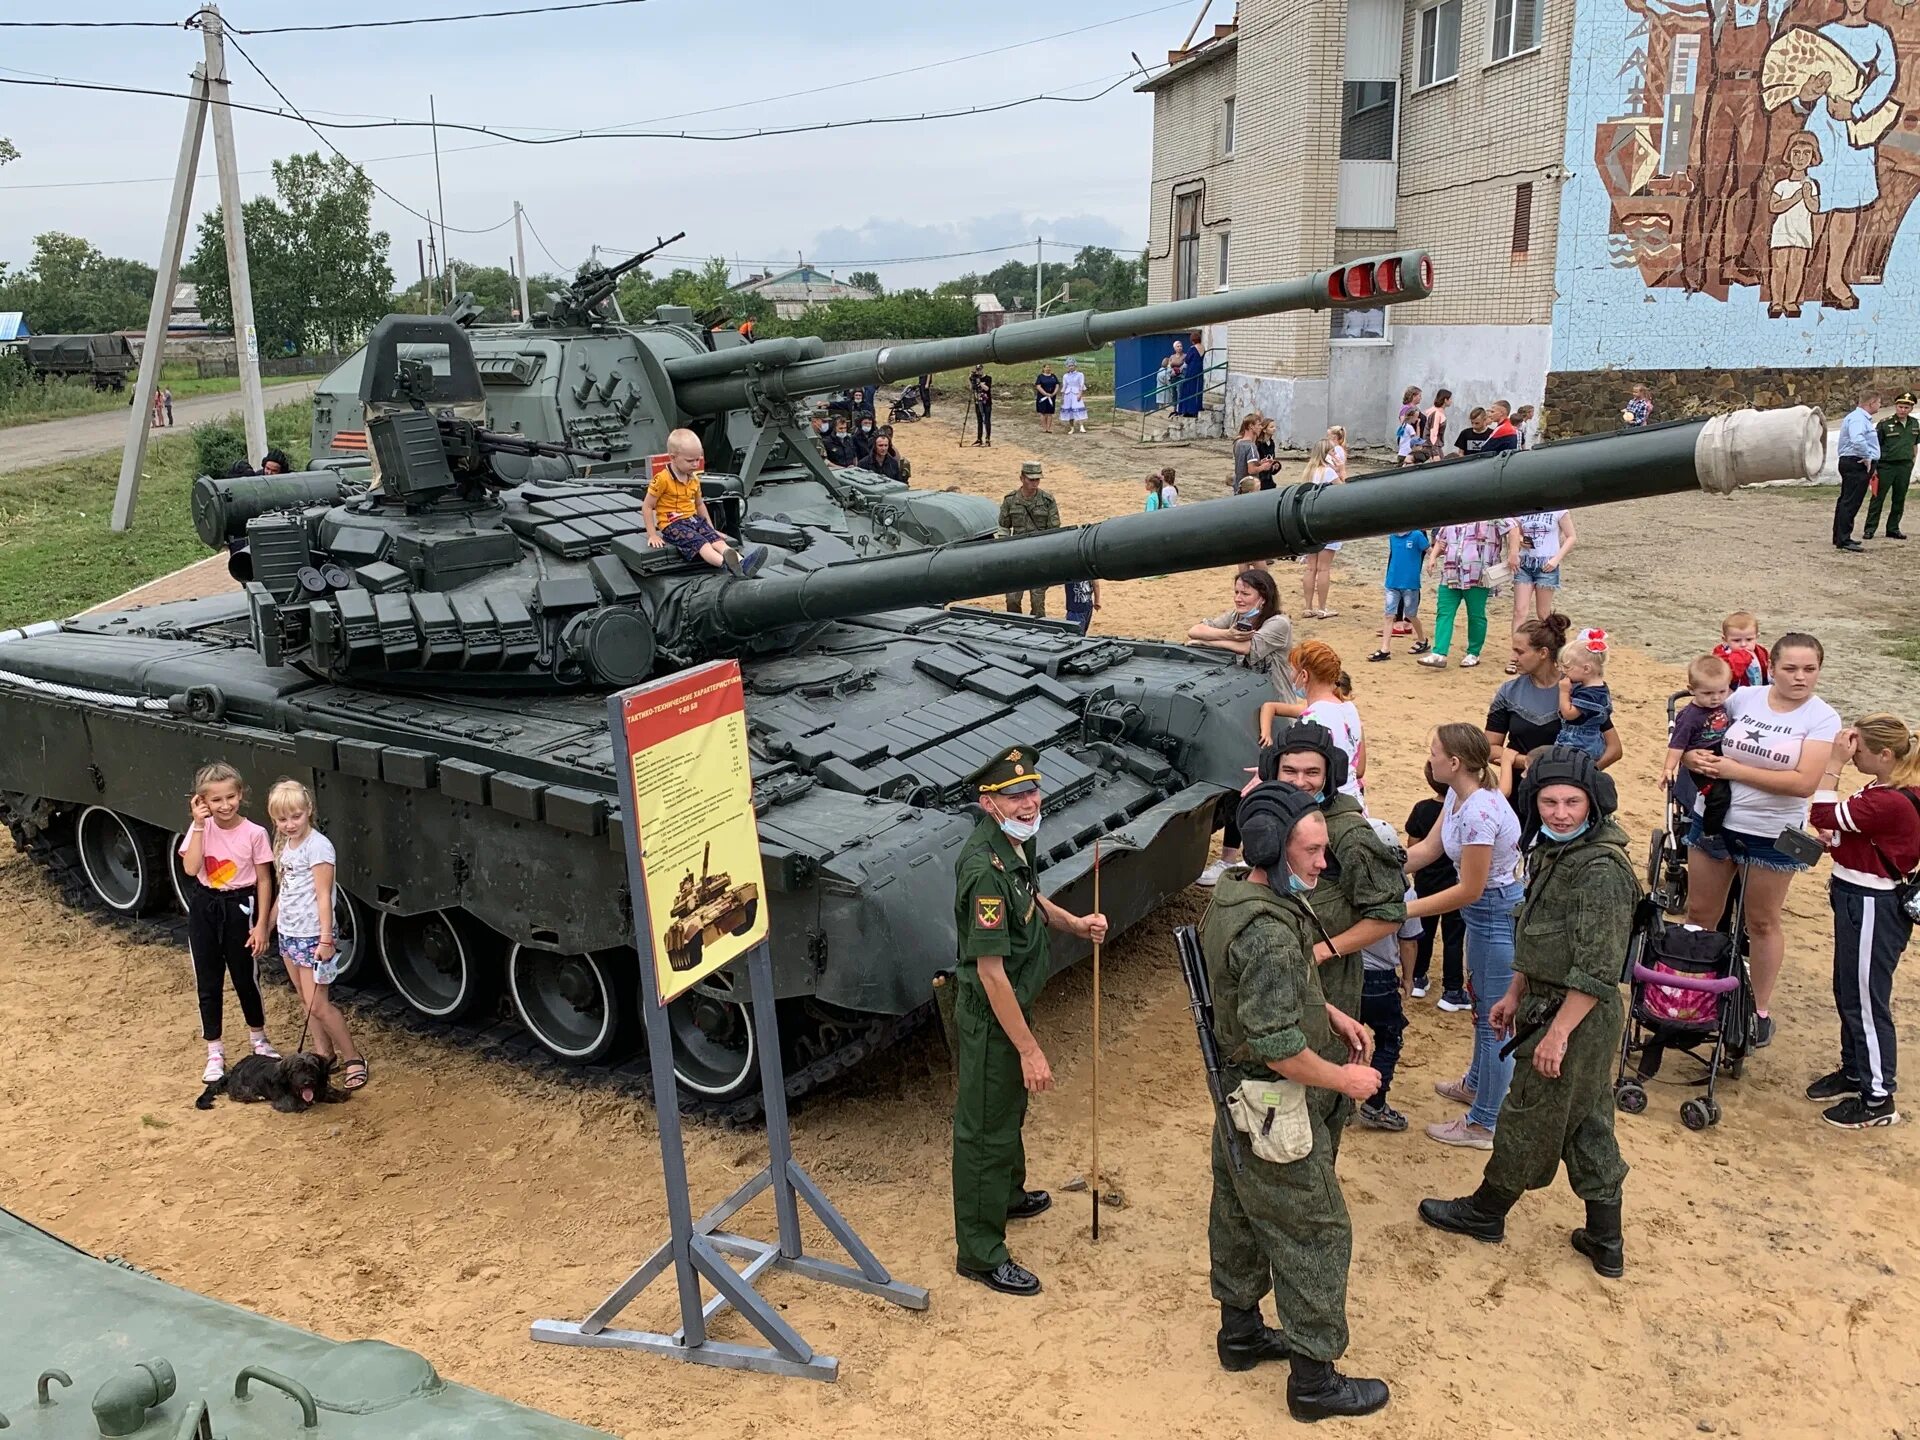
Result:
[[432, 655], [91, 1348]]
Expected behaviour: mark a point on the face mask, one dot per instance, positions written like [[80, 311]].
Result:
[[1020, 831], [1295, 885], [866, 429], [1573, 834]]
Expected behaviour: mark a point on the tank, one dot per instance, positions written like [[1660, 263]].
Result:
[[446, 704], [705, 909], [96, 1348], [577, 375]]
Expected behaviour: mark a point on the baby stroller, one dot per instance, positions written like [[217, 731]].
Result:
[[905, 407], [1690, 989]]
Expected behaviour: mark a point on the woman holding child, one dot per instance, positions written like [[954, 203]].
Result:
[[1527, 710], [1779, 740]]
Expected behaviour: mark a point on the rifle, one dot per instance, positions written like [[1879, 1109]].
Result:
[[1193, 967]]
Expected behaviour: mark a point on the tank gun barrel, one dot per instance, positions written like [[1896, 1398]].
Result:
[[1380, 280], [762, 354], [1745, 447]]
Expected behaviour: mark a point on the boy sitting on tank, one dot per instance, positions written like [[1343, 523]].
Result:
[[675, 513]]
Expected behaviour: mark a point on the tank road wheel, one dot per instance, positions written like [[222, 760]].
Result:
[[122, 860], [715, 1053], [352, 945], [579, 1007], [746, 921], [436, 962]]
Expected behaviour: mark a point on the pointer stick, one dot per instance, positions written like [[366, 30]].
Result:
[[1096, 1048]]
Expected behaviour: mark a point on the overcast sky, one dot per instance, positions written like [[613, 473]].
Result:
[[1072, 172]]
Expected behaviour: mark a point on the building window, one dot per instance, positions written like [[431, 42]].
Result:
[[1186, 245], [1522, 219], [1221, 283], [1226, 128], [1683, 79], [1365, 325], [1440, 42], [1366, 119], [1516, 27]]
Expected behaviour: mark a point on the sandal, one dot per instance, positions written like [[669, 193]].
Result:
[[1421, 647], [1434, 662], [1512, 668], [356, 1075], [1467, 662], [1381, 655]]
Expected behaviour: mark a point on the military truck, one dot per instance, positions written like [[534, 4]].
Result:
[[106, 362]]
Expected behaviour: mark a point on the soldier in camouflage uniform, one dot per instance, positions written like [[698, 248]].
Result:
[[1028, 511], [1002, 920], [1363, 895], [1564, 1004], [1274, 1226]]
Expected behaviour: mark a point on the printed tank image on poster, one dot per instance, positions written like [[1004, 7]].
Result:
[[693, 794], [1740, 176]]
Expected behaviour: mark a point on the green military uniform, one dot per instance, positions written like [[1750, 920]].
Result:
[[1365, 882], [1899, 437], [1276, 1227], [1023, 515], [996, 912], [1571, 934]]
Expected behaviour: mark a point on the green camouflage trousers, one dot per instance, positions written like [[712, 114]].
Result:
[[1283, 1228], [1546, 1121]]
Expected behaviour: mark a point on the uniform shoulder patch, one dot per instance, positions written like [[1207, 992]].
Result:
[[989, 912]]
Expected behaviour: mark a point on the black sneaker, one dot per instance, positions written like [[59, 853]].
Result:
[[1454, 1000], [1853, 1113], [1852, 547], [1762, 1032], [1832, 1086]]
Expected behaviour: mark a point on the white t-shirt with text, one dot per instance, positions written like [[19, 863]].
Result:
[[299, 905], [1769, 739]]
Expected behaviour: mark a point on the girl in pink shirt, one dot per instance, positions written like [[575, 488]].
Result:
[[228, 861]]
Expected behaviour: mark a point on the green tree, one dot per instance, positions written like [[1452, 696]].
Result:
[[906, 315], [319, 269], [69, 287], [7, 152], [868, 280], [707, 291], [492, 287]]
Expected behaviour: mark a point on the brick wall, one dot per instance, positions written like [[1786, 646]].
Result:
[[1189, 112]]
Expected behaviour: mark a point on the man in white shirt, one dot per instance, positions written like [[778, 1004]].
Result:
[[1859, 449]]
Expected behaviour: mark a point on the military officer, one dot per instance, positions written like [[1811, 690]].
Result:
[[1274, 1225], [1564, 1005], [1002, 920], [1028, 511], [1899, 435]]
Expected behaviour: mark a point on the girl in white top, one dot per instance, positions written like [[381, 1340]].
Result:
[[1317, 675], [1779, 738], [303, 914], [1322, 469], [1795, 201]]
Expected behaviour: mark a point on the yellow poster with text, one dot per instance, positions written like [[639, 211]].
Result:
[[693, 800]]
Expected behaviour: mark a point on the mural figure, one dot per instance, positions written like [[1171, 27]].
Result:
[[1766, 145]]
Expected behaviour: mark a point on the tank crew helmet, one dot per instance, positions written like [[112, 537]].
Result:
[[1564, 765], [1267, 816], [1308, 735], [1016, 771]]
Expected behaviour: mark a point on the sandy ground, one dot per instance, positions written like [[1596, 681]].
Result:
[[24, 446], [1771, 1291]]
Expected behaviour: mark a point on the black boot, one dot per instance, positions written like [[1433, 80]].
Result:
[[1599, 1240], [1317, 1391], [1483, 1215], [1245, 1339]]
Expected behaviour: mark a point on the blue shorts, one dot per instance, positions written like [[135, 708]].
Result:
[[304, 951], [1530, 573], [1589, 740], [1741, 849], [1401, 604], [689, 534]]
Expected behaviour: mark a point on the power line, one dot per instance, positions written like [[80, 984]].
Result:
[[191, 21], [551, 257], [893, 260]]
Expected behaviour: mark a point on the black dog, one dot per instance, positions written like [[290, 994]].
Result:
[[290, 1083]]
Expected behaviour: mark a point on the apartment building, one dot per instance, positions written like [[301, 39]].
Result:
[[1595, 183]]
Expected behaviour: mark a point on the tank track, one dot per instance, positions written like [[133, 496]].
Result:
[[50, 845]]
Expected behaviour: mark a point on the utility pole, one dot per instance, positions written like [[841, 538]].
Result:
[[420, 252], [520, 257], [246, 339], [433, 266], [1039, 277], [440, 196]]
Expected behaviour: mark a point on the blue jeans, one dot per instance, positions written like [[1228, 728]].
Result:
[[1490, 968]]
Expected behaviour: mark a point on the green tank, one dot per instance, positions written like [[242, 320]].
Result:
[[432, 657], [96, 1348]]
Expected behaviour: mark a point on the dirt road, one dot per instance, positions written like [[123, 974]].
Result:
[[24, 446], [1771, 1287]]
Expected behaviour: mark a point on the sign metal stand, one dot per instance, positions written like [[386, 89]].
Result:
[[700, 1248]]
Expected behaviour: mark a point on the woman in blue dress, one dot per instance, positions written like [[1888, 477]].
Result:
[[1193, 377], [1848, 184]]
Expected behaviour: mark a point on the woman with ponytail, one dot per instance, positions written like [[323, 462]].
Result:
[[1874, 835]]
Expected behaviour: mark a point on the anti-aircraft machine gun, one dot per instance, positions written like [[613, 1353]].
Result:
[[447, 704]]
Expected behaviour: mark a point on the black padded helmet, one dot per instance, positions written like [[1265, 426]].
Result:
[[1308, 735], [1563, 765], [1266, 818]]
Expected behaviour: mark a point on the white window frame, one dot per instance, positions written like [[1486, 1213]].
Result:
[[1221, 276], [1385, 337], [1494, 36], [1430, 15], [1226, 127]]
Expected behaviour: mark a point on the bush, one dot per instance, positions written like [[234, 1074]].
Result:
[[218, 445]]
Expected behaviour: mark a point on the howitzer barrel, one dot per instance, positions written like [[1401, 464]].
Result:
[[222, 506], [1380, 280], [1743, 448], [683, 369]]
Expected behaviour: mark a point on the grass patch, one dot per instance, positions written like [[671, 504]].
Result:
[[1904, 645], [58, 399], [57, 554]]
